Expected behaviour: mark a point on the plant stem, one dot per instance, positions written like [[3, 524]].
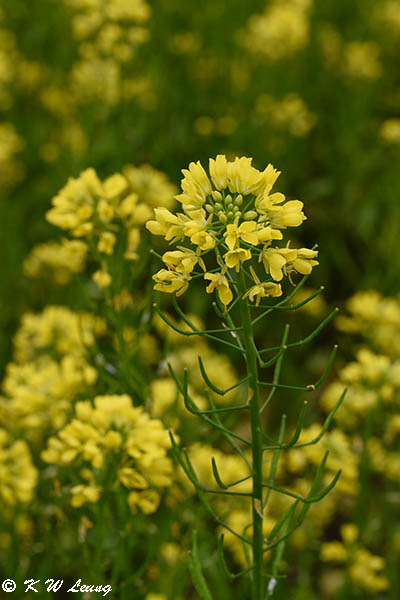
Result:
[[256, 443]]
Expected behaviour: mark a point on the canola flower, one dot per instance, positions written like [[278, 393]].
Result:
[[290, 113], [364, 569], [57, 330], [107, 436], [226, 235], [280, 31], [50, 370], [18, 475], [106, 217], [374, 317], [58, 260], [232, 213]]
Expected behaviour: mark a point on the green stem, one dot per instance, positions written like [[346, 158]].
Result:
[[256, 443]]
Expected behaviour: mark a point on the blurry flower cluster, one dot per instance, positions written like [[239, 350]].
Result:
[[355, 59], [364, 568], [107, 35], [280, 31], [57, 260], [106, 218], [110, 443], [49, 371], [18, 475], [290, 113], [375, 318]]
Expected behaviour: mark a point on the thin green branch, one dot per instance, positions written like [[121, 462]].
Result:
[[213, 387], [296, 435], [191, 333], [274, 462], [192, 407], [310, 337], [291, 307], [277, 370], [326, 423]]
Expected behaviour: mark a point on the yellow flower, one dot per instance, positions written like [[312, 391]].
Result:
[[262, 290], [84, 493], [333, 551], [246, 231], [195, 185], [170, 282], [275, 259], [132, 244], [204, 240], [288, 215], [106, 242], [183, 260], [219, 171], [166, 224], [115, 185], [302, 262], [233, 258], [220, 283], [148, 501], [267, 234], [102, 278], [243, 178]]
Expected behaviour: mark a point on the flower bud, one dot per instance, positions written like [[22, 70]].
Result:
[[222, 217], [218, 206], [239, 200], [209, 208], [250, 215], [217, 196]]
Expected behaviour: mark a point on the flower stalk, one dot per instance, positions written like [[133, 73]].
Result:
[[256, 442], [227, 231]]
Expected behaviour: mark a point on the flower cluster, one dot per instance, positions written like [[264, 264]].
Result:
[[50, 370], [107, 34], [107, 215], [341, 456], [233, 214], [370, 380], [364, 568], [290, 113], [354, 60], [18, 476], [280, 31], [57, 260], [376, 318], [113, 436]]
